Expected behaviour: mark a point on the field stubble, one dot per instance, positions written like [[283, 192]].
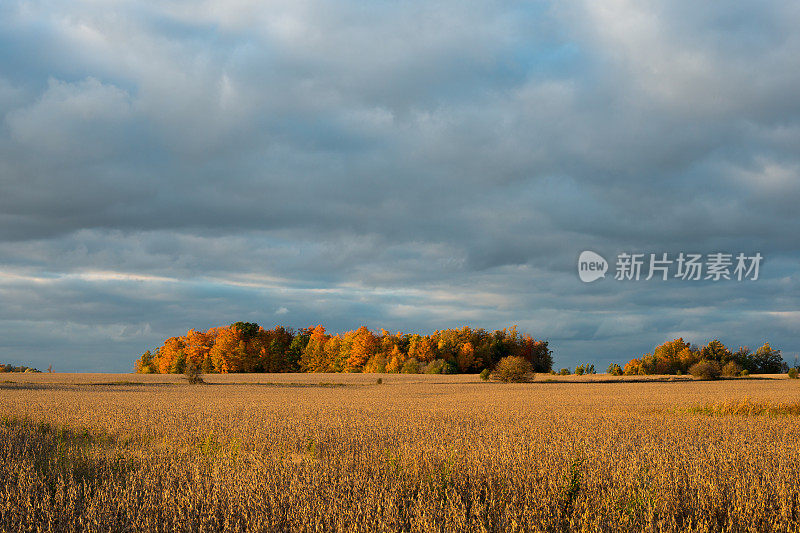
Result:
[[417, 453]]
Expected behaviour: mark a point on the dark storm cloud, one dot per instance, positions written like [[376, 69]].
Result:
[[407, 166]]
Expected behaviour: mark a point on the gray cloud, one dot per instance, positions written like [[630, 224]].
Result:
[[407, 166]]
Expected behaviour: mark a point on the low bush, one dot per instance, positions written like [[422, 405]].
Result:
[[793, 374], [705, 369], [513, 369], [485, 374]]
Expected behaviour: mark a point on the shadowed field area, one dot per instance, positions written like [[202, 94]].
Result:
[[308, 452]]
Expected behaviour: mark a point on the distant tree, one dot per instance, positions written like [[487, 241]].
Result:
[[396, 360], [295, 350], [614, 369], [421, 348], [145, 364], [466, 357], [376, 364], [169, 353], [632, 367], [536, 353], [716, 351], [364, 346], [314, 357], [767, 360], [178, 364], [333, 354], [245, 330]]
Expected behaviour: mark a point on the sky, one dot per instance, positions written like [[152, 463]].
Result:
[[409, 165]]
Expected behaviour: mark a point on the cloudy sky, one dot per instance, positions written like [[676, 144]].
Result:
[[407, 165]]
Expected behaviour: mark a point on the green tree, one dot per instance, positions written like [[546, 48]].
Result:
[[767, 360], [716, 351]]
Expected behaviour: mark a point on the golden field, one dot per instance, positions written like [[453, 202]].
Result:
[[339, 452]]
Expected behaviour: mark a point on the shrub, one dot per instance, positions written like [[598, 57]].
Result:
[[513, 369], [564, 372], [380, 381], [705, 369], [485, 374], [731, 369], [744, 373], [579, 370], [614, 369], [793, 374]]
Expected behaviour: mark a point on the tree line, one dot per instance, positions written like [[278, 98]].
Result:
[[248, 347], [678, 357], [11, 368]]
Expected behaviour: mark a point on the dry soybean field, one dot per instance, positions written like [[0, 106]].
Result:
[[323, 452]]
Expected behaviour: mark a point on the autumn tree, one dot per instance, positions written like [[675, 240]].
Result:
[[225, 352], [145, 364], [536, 353], [466, 357], [170, 355], [364, 345], [198, 349], [421, 349], [314, 356], [333, 354], [396, 360], [716, 351]]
